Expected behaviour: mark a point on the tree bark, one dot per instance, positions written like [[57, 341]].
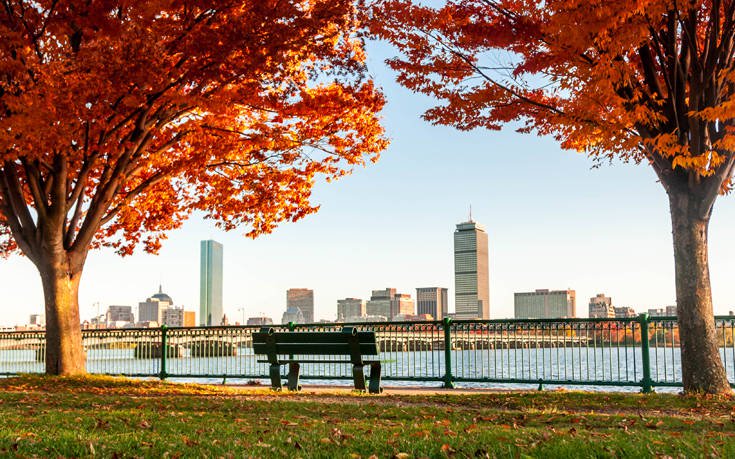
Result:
[[64, 350], [701, 365]]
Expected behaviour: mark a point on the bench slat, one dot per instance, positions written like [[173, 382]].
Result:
[[315, 337], [305, 348], [286, 361]]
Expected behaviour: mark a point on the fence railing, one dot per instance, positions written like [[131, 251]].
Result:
[[634, 352]]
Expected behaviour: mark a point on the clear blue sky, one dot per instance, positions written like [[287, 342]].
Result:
[[553, 222]]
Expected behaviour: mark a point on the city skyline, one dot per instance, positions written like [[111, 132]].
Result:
[[568, 224]]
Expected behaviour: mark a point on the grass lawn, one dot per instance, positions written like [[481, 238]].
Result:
[[112, 417]]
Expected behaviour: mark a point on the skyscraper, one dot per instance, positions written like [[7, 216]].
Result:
[[432, 300], [302, 298], [210, 284], [471, 273]]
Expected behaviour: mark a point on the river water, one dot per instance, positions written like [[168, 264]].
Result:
[[478, 368]]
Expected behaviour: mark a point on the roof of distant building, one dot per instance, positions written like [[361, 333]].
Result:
[[160, 296]]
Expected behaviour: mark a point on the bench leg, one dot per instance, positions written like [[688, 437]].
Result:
[[293, 376], [275, 372], [375, 370], [358, 375]]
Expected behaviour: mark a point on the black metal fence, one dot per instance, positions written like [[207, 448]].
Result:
[[635, 352]]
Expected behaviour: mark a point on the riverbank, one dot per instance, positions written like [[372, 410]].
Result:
[[114, 417]]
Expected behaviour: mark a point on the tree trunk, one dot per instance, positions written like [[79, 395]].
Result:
[[701, 365], [64, 350]]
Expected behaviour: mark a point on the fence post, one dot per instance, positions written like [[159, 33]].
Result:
[[448, 383], [164, 351], [291, 327], [647, 382]]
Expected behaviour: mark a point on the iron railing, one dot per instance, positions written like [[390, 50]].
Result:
[[634, 352]]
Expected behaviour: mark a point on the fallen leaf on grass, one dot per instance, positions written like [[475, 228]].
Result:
[[448, 449], [485, 418], [188, 441]]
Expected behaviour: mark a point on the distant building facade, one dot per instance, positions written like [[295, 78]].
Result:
[[302, 298], [388, 303], [545, 304], [37, 320], [260, 321], [210, 283], [402, 305], [119, 314], [601, 307], [369, 318], [349, 309], [173, 316], [433, 301], [293, 314], [152, 309], [190, 319], [471, 272], [624, 312], [379, 303], [668, 311]]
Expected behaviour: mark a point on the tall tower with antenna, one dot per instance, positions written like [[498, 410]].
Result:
[[471, 271]]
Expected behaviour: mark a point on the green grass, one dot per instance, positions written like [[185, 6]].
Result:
[[112, 417]]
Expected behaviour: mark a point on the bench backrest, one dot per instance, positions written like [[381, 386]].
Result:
[[347, 342]]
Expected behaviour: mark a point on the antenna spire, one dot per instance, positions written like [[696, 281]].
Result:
[[470, 213]]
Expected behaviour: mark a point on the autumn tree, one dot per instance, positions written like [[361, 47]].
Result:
[[648, 81], [118, 119]]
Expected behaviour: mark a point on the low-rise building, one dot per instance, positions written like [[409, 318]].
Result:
[[601, 307], [37, 320], [293, 314], [545, 304], [117, 313], [433, 301], [190, 319], [260, 321], [389, 303], [624, 312], [350, 307], [173, 316]]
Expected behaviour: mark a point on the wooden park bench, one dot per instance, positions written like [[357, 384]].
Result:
[[348, 343]]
